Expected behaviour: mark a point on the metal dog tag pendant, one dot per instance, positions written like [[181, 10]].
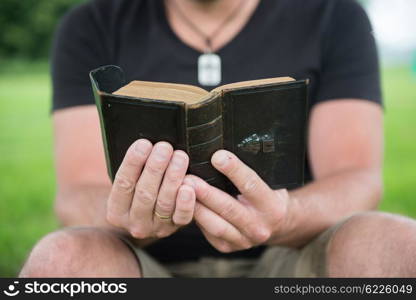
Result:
[[209, 69]]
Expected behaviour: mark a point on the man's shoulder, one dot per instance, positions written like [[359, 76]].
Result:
[[328, 13], [322, 5], [112, 6], [317, 11], [103, 9]]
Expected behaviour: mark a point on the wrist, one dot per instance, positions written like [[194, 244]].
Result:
[[288, 226]]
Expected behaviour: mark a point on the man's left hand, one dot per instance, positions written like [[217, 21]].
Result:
[[253, 218]]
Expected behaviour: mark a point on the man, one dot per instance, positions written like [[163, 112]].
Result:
[[326, 228]]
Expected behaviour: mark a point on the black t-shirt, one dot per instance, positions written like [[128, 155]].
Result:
[[328, 41]]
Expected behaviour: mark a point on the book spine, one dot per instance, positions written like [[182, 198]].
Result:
[[205, 137]]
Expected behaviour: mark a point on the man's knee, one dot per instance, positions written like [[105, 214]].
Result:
[[86, 252], [373, 244]]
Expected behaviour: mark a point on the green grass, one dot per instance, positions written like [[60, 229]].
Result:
[[399, 87], [26, 166]]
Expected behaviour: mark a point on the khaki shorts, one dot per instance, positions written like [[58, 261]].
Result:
[[275, 261]]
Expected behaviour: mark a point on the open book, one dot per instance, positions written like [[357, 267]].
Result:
[[186, 93], [262, 121]]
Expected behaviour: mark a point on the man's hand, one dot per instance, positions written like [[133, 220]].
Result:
[[148, 198], [231, 224]]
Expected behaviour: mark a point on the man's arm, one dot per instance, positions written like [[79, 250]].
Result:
[[346, 153], [346, 150], [147, 187], [82, 182]]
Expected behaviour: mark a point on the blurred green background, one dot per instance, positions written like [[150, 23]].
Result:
[[26, 160]]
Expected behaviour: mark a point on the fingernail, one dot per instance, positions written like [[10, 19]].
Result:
[[162, 152], [220, 158], [142, 147], [178, 161]]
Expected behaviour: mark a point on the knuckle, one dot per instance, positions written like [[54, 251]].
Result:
[[228, 210], [144, 196], [123, 184], [220, 231], [173, 178], [206, 193], [138, 233], [260, 234], [155, 169], [165, 204], [224, 247], [245, 244], [251, 184]]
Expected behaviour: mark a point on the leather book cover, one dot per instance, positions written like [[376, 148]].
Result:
[[263, 124]]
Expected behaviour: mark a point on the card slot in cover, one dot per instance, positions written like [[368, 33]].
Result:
[[203, 152], [209, 131], [204, 112]]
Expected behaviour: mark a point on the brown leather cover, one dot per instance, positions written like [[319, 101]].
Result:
[[263, 125]]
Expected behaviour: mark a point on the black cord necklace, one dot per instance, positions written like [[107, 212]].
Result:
[[209, 63]]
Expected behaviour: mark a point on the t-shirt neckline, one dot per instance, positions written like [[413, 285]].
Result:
[[243, 34]]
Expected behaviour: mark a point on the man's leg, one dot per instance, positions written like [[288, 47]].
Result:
[[373, 244], [81, 252]]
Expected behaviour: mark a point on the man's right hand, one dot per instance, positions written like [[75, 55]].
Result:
[[148, 197]]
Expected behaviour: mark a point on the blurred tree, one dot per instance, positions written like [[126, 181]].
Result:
[[26, 26]]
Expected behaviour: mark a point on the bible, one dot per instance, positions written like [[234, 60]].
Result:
[[262, 121]]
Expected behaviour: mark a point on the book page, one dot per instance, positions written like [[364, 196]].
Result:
[[162, 91], [253, 83]]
